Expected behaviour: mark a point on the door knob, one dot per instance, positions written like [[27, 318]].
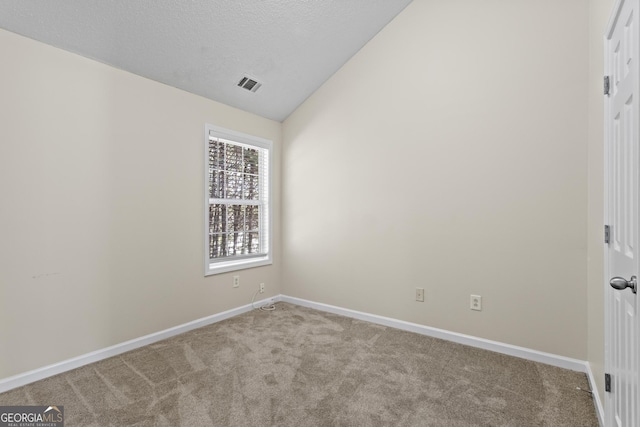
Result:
[[620, 283]]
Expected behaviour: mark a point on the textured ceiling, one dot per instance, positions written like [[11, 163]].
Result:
[[206, 46]]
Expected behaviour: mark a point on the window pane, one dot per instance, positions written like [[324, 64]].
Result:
[[251, 187], [251, 161], [252, 243], [235, 243], [217, 245], [216, 184], [252, 217], [216, 154], [233, 158], [217, 218], [233, 230], [234, 185], [235, 218]]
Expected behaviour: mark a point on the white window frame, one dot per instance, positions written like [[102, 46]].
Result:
[[234, 264]]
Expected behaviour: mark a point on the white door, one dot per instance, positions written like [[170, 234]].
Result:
[[622, 356]]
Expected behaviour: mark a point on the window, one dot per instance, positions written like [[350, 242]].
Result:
[[237, 206]]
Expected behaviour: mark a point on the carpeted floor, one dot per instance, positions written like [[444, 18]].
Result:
[[300, 367]]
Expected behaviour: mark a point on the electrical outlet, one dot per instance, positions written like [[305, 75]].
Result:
[[261, 287], [236, 281], [476, 302], [420, 294]]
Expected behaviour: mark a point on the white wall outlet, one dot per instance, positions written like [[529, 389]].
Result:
[[261, 287], [476, 302], [236, 281], [420, 294]]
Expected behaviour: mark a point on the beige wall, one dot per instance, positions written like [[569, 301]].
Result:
[[450, 153], [599, 11], [101, 219]]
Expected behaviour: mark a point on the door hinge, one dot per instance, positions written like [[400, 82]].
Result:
[[606, 85], [607, 234], [607, 382]]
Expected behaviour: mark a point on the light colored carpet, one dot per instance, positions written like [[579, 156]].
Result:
[[300, 367]]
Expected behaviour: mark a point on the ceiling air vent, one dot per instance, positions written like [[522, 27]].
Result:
[[249, 84]]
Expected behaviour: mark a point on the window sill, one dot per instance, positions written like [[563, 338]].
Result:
[[227, 266]]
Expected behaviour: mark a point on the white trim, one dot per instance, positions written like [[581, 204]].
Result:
[[595, 395], [226, 266], [508, 349], [9, 383], [237, 137], [607, 412]]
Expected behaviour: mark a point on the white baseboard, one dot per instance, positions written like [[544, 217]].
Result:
[[508, 349], [15, 381], [596, 395]]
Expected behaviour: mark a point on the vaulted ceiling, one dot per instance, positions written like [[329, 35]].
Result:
[[207, 46]]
